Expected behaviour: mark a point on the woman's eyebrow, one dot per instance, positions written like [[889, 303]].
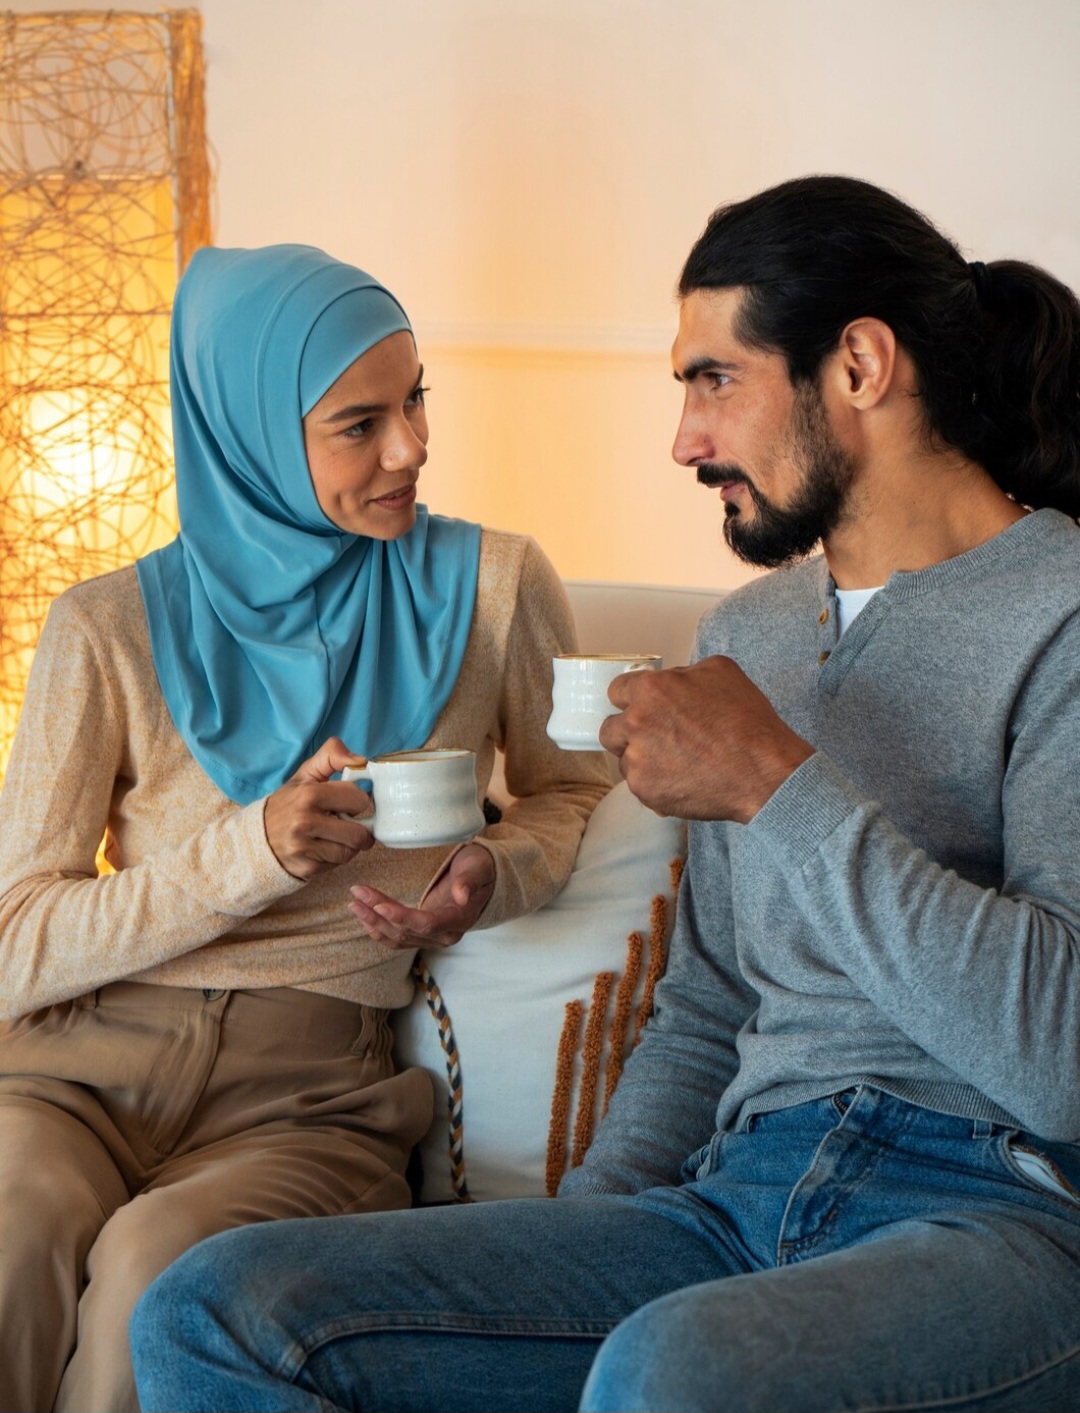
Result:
[[356, 409], [366, 409]]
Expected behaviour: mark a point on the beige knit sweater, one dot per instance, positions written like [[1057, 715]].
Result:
[[198, 897]]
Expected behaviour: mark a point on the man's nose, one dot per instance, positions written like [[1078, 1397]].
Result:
[[692, 441]]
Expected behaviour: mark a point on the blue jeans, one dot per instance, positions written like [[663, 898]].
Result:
[[853, 1253]]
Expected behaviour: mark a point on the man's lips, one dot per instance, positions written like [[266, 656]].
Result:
[[717, 478]]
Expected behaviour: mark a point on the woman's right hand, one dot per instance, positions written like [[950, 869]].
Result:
[[303, 820]]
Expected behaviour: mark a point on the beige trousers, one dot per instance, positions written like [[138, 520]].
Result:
[[140, 1119]]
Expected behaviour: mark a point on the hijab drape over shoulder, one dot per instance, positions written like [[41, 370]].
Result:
[[272, 629]]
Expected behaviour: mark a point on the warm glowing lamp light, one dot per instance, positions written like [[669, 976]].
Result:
[[104, 188]]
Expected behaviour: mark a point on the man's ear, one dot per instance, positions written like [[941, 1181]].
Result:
[[865, 362]]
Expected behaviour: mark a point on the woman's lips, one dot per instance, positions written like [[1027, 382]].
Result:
[[396, 500]]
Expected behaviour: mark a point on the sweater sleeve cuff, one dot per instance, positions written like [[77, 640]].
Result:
[[804, 811], [494, 910], [500, 905]]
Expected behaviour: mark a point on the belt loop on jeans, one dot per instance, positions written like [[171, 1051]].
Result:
[[89, 1002], [982, 1128]]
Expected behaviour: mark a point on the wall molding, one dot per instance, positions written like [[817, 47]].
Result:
[[642, 341]]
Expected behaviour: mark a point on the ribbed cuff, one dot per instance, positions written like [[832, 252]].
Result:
[[813, 801]]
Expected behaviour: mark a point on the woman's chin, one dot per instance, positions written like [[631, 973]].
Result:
[[381, 524]]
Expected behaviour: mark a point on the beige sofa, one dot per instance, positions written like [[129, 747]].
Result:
[[525, 1027]]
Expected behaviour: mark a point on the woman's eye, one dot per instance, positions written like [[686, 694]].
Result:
[[361, 428], [418, 396]]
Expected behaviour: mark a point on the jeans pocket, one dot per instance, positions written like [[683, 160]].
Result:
[[842, 1101], [1036, 1168], [703, 1162]]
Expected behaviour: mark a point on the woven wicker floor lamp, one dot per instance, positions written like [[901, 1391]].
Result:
[[104, 195]]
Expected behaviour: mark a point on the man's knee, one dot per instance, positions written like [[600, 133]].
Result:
[[181, 1299], [689, 1351], [178, 1289]]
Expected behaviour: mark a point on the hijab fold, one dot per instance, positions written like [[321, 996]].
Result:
[[271, 629]]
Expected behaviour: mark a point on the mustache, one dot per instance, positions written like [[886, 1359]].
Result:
[[711, 474]]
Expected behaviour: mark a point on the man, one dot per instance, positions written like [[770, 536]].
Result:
[[841, 1168]]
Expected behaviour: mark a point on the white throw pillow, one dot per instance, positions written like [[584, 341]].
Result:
[[528, 1023]]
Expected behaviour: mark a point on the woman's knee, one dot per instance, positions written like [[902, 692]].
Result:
[[63, 1216], [83, 1187], [151, 1234]]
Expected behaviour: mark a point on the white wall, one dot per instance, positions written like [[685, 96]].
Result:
[[528, 175]]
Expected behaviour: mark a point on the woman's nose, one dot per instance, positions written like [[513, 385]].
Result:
[[403, 448]]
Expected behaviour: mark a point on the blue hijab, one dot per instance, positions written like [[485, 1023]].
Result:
[[271, 628]]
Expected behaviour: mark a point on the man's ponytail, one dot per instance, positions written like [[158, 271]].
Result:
[[1028, 427]]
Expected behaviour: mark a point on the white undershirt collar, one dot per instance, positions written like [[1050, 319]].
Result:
[[851, 604]]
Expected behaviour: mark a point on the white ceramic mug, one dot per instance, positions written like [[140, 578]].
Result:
[[421, 798], [579, 699]]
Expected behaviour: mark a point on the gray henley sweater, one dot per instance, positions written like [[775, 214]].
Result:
[[905, 909]]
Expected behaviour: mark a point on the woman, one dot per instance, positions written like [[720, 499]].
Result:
[[199, 1039]]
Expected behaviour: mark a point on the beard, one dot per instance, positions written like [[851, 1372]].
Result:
[[775, 536]]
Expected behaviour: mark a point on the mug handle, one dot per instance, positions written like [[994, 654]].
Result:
[[361, 772]]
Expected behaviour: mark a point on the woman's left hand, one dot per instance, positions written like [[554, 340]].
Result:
[[450, 909]]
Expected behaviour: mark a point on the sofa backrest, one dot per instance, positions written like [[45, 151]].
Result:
[[638, 618], [524, 1027]]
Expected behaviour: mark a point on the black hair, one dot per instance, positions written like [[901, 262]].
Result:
[[996, 347]]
